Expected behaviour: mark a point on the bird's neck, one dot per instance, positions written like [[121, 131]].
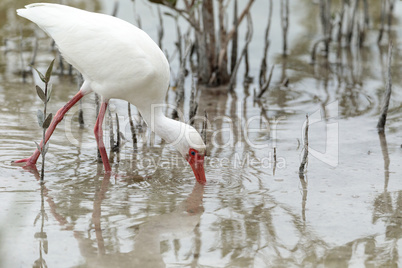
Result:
[[170, 130]]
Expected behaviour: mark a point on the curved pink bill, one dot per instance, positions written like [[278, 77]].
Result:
[[197, 164]]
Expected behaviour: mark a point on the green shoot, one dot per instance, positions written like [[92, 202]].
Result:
[[44, 119]]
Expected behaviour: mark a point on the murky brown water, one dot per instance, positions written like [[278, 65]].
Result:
[[254, 211]]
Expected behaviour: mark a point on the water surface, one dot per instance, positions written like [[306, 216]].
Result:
[[254, 211]]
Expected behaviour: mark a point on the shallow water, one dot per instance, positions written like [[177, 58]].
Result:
[[254, 211]]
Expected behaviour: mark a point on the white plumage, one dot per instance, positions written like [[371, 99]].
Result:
[[109, 52], [117, 60]]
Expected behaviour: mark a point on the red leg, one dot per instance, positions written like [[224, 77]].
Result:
[[56, 120], [99, 136]]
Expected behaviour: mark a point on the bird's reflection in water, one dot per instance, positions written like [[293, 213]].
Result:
[[179, 223], [146, 252]]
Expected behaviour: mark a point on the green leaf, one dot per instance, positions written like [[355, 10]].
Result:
[[46, 246], [164, 2], [46, 148], [38, 146], [40, 93], [36, 219], [49, 92], [41, 117], [170, 15], [41, 76], [47, 121], [49, 71]]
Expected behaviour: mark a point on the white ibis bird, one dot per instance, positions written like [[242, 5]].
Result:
[[117, 60]]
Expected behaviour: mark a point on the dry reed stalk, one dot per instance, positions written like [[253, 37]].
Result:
[[180, 82], [273, 172], [382, 19], [391, 4], [116, 147], [133, 134], [387, 94], [208, 20], [160, 29], [115, 8], [263, 68], [80, 111], [99, 158], [229, 35], [285, 24], [366, 14], [350, 30], [315, 46], [204, 129], [233, 58], [267, 83], [249, 35], [385, 155], [193, 102], [111, 133], [325, 11], [305, 148], [35, 51]]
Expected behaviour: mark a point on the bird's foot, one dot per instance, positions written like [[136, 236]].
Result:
[[28, 162], [29, 165]]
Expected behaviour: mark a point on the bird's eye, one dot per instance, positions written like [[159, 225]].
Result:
[[192, 153]]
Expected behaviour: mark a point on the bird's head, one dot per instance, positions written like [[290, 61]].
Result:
[[192, 148]]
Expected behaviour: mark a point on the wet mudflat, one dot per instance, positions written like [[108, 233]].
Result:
[[255, 210]]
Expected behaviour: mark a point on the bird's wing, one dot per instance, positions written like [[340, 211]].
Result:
[[98, 45]]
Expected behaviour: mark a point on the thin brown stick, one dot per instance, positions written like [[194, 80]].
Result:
[[80, 111], [209, 31], [391, 4], [266, 85], [204, 128], [349, 34], [230, 34], [188, 16], [305, 153], [387, 94], [285, 24], [161, 31], [303, 182], [97, 107], [275, 162], [340, 24], [222, 75], [34, 53], [385, 155], [326, 24], [180, 83], [116, 147], [249, 35], [382, 19], [133, 134], [239, 20], [315, 46], [111, 131], [233, 58], [264, 64], [193, 102], [115, 8], [366, 14]]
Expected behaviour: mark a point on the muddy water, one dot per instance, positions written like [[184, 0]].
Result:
[[255, 211]]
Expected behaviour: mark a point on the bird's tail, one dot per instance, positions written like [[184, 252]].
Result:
[[54, 19], [35, 12]]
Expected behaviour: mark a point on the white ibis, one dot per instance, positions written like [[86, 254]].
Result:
[[117, 60]]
